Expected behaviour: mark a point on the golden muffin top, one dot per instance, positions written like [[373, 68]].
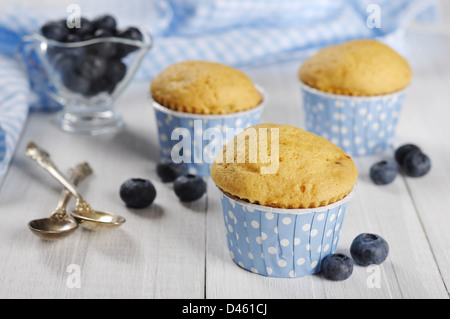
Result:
[[359, 67], [204, 88], [304, 169]]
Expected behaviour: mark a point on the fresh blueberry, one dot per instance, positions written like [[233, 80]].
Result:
[[130, 33], [103, 33], [102, 84], [137, 192], [383, 172], [114, 73], [87, 36], [369, 249], [169, 171], [122, 50], [104, 49], [78, 54], [337, 267], [403, 150], [416, 164], [55, 30], [116, 70], [93, 67], [105, 22], [189, 187], [63, 62], [65, 59], [86, 27], [71, 37], [75, 82]]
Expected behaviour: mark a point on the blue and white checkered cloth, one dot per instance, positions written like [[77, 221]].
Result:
[[235, 32]]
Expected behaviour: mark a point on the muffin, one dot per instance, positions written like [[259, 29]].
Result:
[[283, 223], [204, 88], [353, 94], [191, 99], [359, 68]]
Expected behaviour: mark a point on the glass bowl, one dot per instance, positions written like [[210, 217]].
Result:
[[84, 77]]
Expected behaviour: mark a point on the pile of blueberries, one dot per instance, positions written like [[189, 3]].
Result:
[[95, 68], [409, 159], [140, 193]]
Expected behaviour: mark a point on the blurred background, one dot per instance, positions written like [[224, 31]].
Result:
[[241, 32]]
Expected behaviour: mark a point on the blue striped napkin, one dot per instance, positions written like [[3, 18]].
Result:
[[235, 32]]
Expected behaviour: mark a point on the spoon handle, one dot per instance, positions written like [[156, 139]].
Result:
[[43, 159], [76, 175]]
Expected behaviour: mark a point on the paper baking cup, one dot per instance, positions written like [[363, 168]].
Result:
[[358, 125], [281, 242], [199, 155]]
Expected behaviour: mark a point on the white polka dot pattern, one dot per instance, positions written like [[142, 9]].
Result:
[[201, 153], [360, 126], [280, 245]]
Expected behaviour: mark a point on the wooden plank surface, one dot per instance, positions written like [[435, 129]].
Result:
[[390, 211], [146, 258], [176, 250]]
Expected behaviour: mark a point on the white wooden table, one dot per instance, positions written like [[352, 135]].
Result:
[[176, 250]]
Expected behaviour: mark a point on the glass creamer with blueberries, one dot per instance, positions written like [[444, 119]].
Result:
[[84, 67], [94, 68]]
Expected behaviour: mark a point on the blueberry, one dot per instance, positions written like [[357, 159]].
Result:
[[403, 150], [93, 67], [104, 49], [369, 249], [122, 50], [416, 164], [116, 70], [71, 37], [102, 84], [55, 30], [78, 55], [86, 27], [87, 37], [189, 187], [383, 172], [130, 33], [137, 192], [105, 22], [75, 82], [103, 33], [337, 267], [169, 171], [114, 73], [63, 62], [65, 59], [119, 69]]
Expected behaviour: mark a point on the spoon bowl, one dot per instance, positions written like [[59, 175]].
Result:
[[83, 213], [95, 220], [60, 225], [51, 229]]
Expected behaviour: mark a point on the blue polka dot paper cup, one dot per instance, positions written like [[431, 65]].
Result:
[[276, 242], [358, 125], [196, 139]]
